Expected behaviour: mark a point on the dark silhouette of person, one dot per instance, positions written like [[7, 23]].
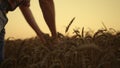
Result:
[[47, 7]]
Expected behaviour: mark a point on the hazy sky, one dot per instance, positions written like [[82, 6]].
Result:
[[88, 13]]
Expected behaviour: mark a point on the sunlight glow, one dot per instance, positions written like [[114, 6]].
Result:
[[88, 13]]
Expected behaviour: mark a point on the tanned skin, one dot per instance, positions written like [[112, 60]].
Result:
[[24, 7], [48, 11]]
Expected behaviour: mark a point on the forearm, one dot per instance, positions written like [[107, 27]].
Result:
[[48, 10], [47, 7], [31, 21]]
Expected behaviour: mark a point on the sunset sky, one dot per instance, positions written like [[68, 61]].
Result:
[[88, 13]]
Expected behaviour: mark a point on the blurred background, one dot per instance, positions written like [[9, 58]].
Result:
[[88, 13]]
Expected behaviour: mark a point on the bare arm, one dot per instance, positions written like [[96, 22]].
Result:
[[48, 10], [31, 21]]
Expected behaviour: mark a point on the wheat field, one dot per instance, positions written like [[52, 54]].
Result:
[[85, 50]]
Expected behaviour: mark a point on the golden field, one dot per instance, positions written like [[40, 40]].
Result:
[[82, 50]]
